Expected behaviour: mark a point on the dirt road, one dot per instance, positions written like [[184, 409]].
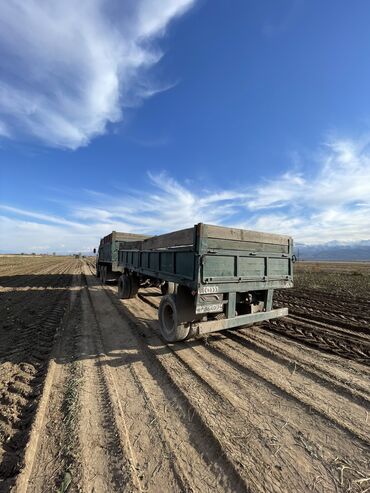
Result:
[[92, 399]]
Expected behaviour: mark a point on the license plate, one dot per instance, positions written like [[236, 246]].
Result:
[[216, 307]]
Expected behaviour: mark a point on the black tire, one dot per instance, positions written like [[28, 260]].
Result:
[[168, 288], [135, 284], [103, 274], [124, 287], [171, 329]]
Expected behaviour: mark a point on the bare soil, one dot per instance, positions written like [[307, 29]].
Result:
[[92, 399]]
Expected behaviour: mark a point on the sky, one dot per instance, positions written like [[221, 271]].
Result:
[[149, 116]]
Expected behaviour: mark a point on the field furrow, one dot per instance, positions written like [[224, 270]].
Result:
[[109, 406]]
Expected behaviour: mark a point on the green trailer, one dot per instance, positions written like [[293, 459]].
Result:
[[107, 256], [212, 278]]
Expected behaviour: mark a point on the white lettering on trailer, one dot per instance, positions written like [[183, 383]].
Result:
[[209, 308], [208, 289]]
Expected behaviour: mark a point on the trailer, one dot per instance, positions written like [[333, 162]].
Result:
[[212, 278], [107, 256]]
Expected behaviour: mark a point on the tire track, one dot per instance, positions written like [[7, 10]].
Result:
[[343, 314], [200, 460], [322, 336], [327, 338], [228, 357], [297, 357], [360, 396], [302, 421], [226, 404], [308, 393], [106, 451]]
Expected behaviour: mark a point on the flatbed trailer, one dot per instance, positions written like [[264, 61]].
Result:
[[212, 277]]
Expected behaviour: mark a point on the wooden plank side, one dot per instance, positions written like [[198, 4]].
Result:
[[184, 237], [120, 236], [251, 246], [176, 239], [130, 245], [221, 232]]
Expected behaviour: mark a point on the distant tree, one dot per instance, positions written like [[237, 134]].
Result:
[[53, 254]]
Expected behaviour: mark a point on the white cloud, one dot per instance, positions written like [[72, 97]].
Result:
[[331, 204], [69, 69], [343, 177], [43, 217], [18, 235]]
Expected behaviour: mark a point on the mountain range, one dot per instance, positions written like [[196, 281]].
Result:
[[334, 250]]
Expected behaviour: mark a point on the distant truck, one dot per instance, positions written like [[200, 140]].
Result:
[[212, 278]]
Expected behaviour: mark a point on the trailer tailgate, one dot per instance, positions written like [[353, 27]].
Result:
[[241, 268], [236, 255]]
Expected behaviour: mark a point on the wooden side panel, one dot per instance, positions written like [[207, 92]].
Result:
[[169, 240], [184, 237], [251, 246], [118, 236], [222, 233], [130, 245]]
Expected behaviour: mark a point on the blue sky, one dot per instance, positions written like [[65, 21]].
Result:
[[153, 115]]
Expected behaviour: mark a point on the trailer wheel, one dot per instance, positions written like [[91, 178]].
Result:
[[124, 287], [168, 288], [171, 329]]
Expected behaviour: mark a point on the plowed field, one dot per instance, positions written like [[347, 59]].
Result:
[[92, 399]]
